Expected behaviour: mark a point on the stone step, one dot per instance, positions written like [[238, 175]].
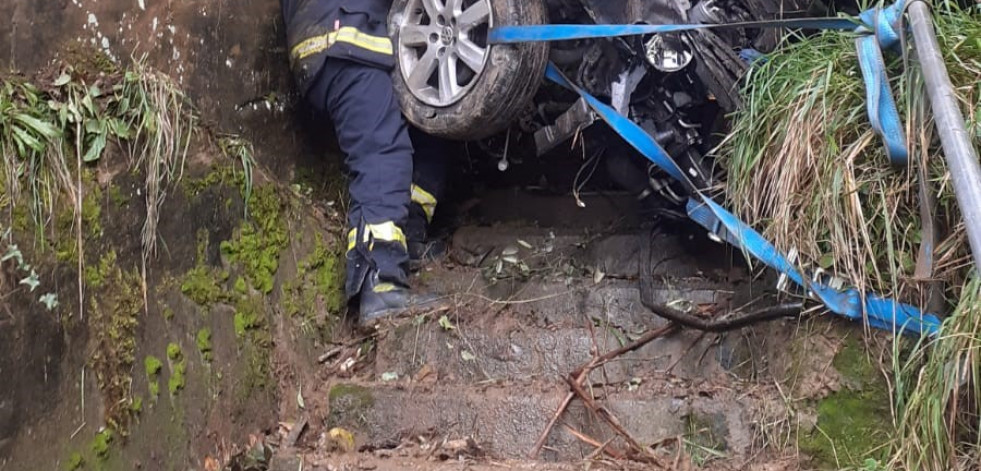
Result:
[[678, 254], [570, 301], [475, 352], [506, 419]]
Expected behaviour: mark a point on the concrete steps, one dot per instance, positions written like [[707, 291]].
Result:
[[506, 419], [495, 372]]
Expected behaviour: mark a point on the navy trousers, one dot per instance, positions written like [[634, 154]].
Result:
[[374, 137], [375, 140]]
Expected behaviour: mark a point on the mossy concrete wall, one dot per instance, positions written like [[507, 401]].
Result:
[[185, 363], [230, 56]]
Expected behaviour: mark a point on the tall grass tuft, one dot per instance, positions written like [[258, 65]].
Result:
[[805, 168], [939, 421], [48, 131]]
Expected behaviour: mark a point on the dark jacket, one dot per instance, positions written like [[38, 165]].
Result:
[[355, 30]]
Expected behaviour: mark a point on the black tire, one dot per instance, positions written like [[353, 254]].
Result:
[[511, 76]]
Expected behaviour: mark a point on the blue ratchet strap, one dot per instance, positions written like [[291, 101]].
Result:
[[877, 28], [881, 104], [877, 311]]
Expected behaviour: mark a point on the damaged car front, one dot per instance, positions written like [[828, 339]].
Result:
[[678, 87]]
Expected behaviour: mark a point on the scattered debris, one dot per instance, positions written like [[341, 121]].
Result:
[[458, 449], [255, 458], [341, 440], [295, 431]]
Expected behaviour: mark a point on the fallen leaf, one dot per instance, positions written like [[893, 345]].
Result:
[[211, 464], [389, 377], [299, 398], [445, 323], [49, 300], [32, 281], [524, 244], [62, 80], [13, 252], [426, 373], [467, 356]]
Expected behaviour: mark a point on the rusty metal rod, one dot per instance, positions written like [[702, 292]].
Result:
[[961, 156]]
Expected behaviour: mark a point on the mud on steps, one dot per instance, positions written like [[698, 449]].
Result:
[[490, 370], [489, 373]]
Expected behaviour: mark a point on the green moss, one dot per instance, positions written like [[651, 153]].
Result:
[[349, 404], [318, 288], [223, 175], [174, 352], [202, 284], [100, 444], [21, 218], [114, 316], [204, 344], [252, 330], [177, 378], [167, 313], [249, 316], [259, 241], [74, 463], [241, 287], [152, 365], [95, 275], [136, 405], [117, 197], [92, 210], [854, 367], [854, 422]]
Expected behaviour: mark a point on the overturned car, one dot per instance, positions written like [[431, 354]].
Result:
[[677, 87]]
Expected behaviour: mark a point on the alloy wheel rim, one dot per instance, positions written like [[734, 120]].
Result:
[[442, 46]]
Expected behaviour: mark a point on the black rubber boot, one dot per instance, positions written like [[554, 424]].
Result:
[[380, 300], [421, 248], [421, 253]]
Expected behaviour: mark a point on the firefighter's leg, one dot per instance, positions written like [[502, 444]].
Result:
[[372, 134], [431, 160]]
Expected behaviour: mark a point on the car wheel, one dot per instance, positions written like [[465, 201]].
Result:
[[449, 81]]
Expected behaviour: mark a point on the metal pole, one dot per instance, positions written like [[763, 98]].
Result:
[[962, 157]]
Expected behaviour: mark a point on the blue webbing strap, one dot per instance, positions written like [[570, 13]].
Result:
[[877, 311], [881, 104], [877, 29]]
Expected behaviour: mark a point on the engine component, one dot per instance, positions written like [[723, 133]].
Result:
[[668, 53], [577, 118]]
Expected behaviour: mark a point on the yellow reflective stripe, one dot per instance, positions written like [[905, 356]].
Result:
[[309, 47], [384, 288], [347, 34], [351, 35], [424, 199], [385, 232]]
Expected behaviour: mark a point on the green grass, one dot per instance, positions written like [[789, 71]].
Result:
[[938, 426], [805, 167], [50, 131]]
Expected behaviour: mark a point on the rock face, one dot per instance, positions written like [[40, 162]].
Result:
[[230, 56]]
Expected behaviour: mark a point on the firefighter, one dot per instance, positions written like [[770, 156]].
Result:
[[341, 57]]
